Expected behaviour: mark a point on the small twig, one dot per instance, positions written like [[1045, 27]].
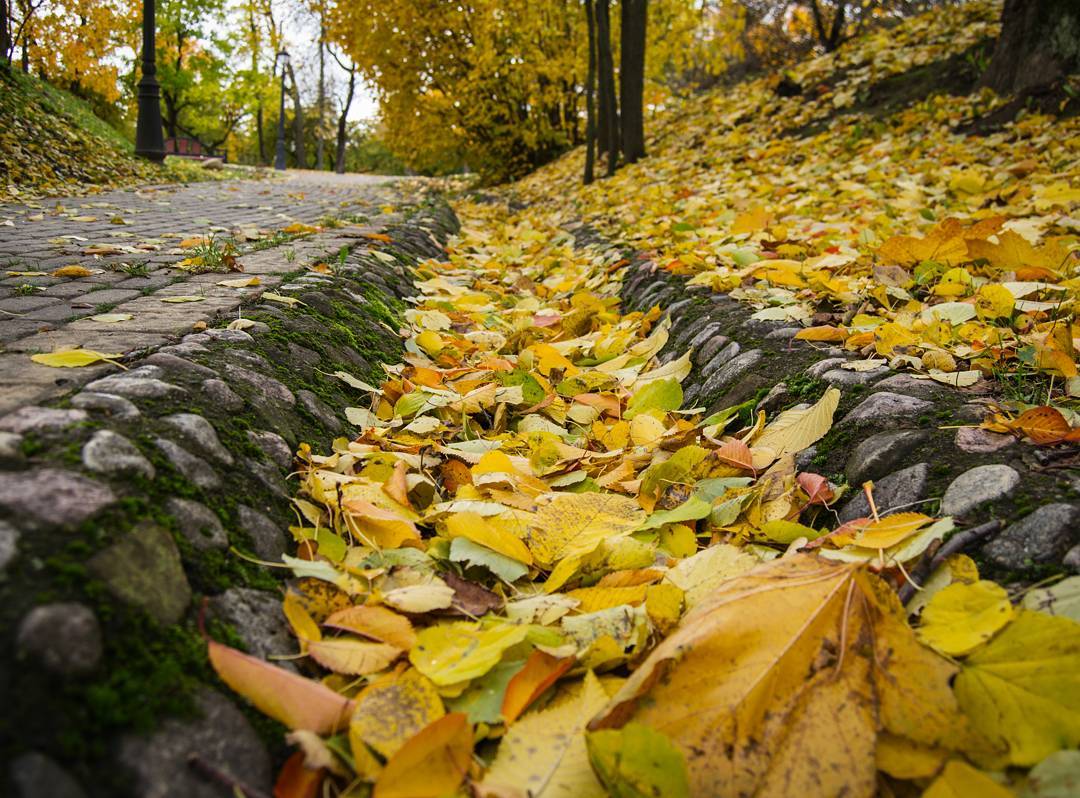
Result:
[[959, 541], [215, 774]]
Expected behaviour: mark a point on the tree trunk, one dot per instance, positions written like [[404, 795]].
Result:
[[5, 31], [609, 128], [339, 160], [1039, 43], [831, 37], [635, 15], [590, 87], [320, 144], [298, 121]]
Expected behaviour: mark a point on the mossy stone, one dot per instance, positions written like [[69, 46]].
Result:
[[144, 570]]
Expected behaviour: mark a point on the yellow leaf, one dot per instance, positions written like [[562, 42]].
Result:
[[739, 685], [291, 301], [71, 271], [544, 754], [994, 301], [1023, 687], [430, 765], [378, 623], [574, 524], [479, 530], [431, 342], [961, 780], [456, 652], [351, 656], [111, 318], [892, 529], [794, 430], [393, 709], [241, 282], [74, 358], [962, 617]]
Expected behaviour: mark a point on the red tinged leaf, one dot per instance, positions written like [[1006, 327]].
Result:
[[817, 487], [540, 672], [1043, 425], [296, 702], [736, 453]]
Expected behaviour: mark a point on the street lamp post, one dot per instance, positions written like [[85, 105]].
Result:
[[149, 142], [279, 156]]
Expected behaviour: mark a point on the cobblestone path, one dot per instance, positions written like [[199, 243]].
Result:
[[131, 240]]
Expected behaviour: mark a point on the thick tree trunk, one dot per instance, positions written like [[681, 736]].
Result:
[[1039, 43], [5, 31], [298, 121], [609, 116], [342, 139], [635, 14], [590, 88]]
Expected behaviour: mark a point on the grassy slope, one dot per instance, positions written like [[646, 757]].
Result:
[[52, 143]]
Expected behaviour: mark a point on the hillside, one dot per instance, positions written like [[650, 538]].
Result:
[[52, 143], [835, 205]]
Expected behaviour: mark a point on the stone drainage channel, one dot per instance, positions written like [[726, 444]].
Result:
[[120, 505]]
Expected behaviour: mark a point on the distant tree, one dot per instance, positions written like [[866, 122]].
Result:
[[590, 91], [830, 32], [5, 32], [635, 15], [608, 107], [343, 117], [1038, 45]]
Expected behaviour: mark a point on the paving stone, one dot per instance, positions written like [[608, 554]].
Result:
[[707, 351], [775, 399], [260, 384], [302, 356], [221, 395], [981, 441], [720, 359], [730, 372], [257, 617], [908, 385], [222, 737], [267, 538], [882, 454], [977, 486], [886, 406], [201, 433], [134, 387], [819, 369], [64, 638], [314, 405], [230, 336], [1040, 538], [847, 378], [247, 359], [108, 452], [174, 364], [52, 497], [268, 475], [34, 775], [9, 545], [783, 333], [108, 404], [273, 446], [199, 525], [25, 304], [192, 467], [184, 350], [111, 296], [143, 569], [11, 454], [41, 420], [899, 491], [1072, 558]]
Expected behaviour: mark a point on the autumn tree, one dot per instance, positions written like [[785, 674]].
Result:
[[1038, 45], [632, 77]]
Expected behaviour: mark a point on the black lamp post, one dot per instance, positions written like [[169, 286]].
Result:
[[279, 156], [149, 142]]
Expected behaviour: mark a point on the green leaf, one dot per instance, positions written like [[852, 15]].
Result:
[[693, 509], [482, 702], [787, 531], [638, 762], [656, 395], [464, 550]]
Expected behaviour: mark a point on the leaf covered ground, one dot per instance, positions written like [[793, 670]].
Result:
[[535, 572]]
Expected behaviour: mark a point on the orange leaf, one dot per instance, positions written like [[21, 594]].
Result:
[[378, 237], [736, 453], [378, 623], [540, 672], [297, 702], [351, 656], [296, 781], [825, 333], [433, 763], [817, 488], [1044, 425], [397, 488]]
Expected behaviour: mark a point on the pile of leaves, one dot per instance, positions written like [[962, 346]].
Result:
[[895, 235], [535, 573]]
